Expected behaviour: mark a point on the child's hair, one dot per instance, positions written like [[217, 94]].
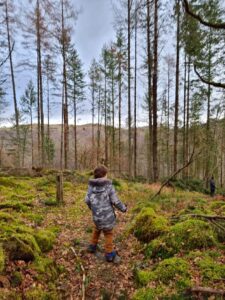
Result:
[[100, 171]]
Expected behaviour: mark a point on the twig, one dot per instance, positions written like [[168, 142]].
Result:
[[205, 290], [5, 60], [191, 159], [83, 270], [207, 217], [218, 225]]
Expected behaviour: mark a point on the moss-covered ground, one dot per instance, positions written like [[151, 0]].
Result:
[[164, 249]]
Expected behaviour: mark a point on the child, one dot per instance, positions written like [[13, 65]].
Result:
[[101, 198]]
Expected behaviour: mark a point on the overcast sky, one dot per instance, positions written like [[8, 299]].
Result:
[[94, 28]]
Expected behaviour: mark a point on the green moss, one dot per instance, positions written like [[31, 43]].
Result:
[[51, 202], [217, 205], [147, 293], [21, 246], [211, 270], [40, 294], [47, 267], [16, 279], [6, 217], [2, 259], [36, 218], [147, 225], [184, 236], [10, 295], [158, 248], [143, 277], [15, 205], [45, 239], [175, 270]]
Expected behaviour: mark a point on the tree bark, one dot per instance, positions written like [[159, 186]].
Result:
[[149, 62], [129, 85], [13, 84], [154, 98], [177, 88], [135, 95]]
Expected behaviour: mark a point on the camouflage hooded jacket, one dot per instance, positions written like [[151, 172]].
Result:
[[101, 199]]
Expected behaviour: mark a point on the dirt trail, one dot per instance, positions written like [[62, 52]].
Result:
[[103, 280]]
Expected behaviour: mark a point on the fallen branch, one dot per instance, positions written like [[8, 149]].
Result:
[[83, 270], [205, 290], [191, 159], [218, 225], [207, 217]]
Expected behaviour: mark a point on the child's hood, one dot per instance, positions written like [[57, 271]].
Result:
[[99, 185]]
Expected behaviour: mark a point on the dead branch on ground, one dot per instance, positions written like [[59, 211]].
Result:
[[83, 271]]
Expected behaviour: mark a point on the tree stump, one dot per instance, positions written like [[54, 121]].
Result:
[[59, 188]]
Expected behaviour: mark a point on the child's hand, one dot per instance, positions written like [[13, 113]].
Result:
[[126, 207]]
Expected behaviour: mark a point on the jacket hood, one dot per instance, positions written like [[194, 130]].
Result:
[[99, 182]]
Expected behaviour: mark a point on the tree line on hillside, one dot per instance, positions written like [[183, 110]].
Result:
[[163, 72]]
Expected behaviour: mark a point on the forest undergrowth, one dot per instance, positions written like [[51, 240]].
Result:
[[167, 246]]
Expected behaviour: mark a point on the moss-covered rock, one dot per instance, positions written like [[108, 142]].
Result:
[[210, 269], [45, 239], [21, 246], [184, 236], [175, 270], [147, 225], [2, 259]]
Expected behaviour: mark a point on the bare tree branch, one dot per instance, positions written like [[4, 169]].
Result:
[[5, 60], [213, 83], [190, 161], [200, 19]]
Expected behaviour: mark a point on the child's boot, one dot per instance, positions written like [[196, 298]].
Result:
[[112, 257], [92, 248]]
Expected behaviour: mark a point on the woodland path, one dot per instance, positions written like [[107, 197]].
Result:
[[103, 280]]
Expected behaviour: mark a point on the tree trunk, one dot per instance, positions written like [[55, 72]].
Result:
[[149, 62], [154, 98], [106, 125], [13, 85], [184, 112], [40, 85], [119, 108], [129, 85], [66, 117], [135, 96], [177, 88]]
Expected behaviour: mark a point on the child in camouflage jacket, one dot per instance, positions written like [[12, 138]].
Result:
[[101, 198]]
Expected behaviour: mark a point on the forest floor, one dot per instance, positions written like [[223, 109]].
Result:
[[160, 258], [102, 280]]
